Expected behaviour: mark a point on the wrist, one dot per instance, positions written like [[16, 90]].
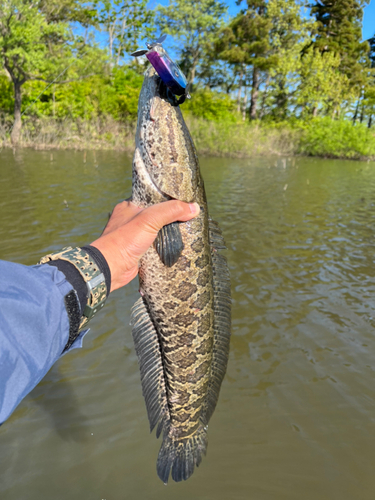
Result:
[[116, 261], [90, 268], [102, 263]]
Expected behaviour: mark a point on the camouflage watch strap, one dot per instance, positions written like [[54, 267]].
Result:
[[92, 275]]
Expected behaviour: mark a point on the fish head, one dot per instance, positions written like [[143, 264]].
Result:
[[164, 142]]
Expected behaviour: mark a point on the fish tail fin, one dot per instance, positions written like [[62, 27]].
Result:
[[181, 455]]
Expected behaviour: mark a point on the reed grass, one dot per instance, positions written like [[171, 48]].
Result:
[[47, 133], [241, 139], [319, 137]]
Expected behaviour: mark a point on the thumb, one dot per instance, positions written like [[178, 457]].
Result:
[[155, 217], [142, 230]]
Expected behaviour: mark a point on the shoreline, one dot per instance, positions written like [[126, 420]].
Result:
[[202, 153], [320, 138]]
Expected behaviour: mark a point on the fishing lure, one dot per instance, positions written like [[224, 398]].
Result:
[[169, 72]]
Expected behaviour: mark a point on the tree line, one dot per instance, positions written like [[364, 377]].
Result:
[[275, 60]]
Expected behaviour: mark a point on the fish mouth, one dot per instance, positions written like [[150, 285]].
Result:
[[164, 93]]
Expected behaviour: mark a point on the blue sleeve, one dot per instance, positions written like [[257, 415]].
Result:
[[34, 328]]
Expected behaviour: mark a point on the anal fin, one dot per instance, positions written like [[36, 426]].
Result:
[[222, 320], [148, 350], [169, 244]]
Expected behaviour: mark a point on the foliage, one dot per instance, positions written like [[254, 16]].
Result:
[[211, 106], [336, 139], [321, 83], [302, 79], [264, 36], [124, 21], [338, 30], [6, 95], [290, 32], [226, 138], [318, 137], [371, 54], [76, 11], [29, 46], [246, 39], [49, 133], [194, 24], [90, 98]]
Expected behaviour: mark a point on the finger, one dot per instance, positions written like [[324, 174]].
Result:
[[157, 216], [142, 230], [120, 215], [126, 210]]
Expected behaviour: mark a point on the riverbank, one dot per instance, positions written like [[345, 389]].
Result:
[[320, 137]]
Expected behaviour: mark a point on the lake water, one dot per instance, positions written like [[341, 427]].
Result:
[[296, 415]]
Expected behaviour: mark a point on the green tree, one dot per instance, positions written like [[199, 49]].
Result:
[[125, 22], [27, 45], [322, 85], [289, 33], [371, 54], [246, 42], [212, 106], [339, 30], [97, 96], [194, 24], [70, 11], [37, 43], [368, 105]]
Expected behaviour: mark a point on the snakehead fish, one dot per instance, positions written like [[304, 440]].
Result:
[[181, 323]]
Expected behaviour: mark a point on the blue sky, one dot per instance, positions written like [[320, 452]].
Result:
[[369, 21], [368, 18]]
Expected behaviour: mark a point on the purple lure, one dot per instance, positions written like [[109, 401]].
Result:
[[168, 70]]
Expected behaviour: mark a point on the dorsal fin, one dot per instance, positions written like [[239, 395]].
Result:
[[148, 350], [222, 319]]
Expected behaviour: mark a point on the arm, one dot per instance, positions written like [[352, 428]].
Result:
[[34, 324]]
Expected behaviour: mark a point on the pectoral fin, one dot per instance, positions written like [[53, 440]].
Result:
[[169, 244]]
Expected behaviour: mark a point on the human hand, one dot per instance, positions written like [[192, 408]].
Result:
[[132, 230]]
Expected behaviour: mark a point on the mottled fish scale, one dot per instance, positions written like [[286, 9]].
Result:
[[181, 324]]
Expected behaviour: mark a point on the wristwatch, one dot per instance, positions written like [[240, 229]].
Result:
[[90, 272]]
